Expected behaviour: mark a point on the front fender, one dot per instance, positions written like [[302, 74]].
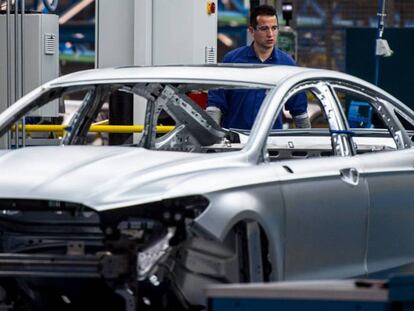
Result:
[[261, 203]]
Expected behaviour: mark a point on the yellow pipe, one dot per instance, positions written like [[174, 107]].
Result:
[[103, 122], [127, 129], [42, 128], [95, 128]]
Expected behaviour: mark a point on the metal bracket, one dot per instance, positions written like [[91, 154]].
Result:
[[255, 252], [106, 265], [350, 176]]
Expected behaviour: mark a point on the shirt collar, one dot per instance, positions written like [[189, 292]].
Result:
[[252, 54]]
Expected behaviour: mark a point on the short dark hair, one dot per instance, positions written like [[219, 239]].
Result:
[[264, 9]]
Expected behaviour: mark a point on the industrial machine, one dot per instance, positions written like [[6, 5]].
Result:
[[40, 56], [28, 55], [156, 32], [152, 32]]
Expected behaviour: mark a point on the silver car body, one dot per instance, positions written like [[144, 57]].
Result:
[[346, 215]]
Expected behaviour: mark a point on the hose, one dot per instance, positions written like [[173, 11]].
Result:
[[380, 31], [51, 6]]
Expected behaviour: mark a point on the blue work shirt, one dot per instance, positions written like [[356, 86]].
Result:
[[240, 107]]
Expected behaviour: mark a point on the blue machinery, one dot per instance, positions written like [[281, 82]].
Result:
[[395, 294], [360, 115]]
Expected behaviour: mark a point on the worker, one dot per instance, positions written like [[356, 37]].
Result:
[[238, 108]]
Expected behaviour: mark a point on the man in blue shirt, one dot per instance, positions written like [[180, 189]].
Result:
[[239, 108]]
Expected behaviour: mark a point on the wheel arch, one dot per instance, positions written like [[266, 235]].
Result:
[[262, 203], [274, 249]]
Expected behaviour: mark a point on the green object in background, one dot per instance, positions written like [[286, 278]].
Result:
[[287, 41], [238, 20], [77, 58]]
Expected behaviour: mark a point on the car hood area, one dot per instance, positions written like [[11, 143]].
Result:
[[100, 177]]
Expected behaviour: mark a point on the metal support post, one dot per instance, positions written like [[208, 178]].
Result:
[[22, 64], [381, 15], [9, 62], [16, 66]]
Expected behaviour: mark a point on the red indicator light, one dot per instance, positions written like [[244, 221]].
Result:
[[211, 7]]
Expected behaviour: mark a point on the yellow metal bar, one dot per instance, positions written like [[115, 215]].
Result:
[[31, 128], [127, 129], [103, 122], [95, 128], [116, 129], [43, 128]]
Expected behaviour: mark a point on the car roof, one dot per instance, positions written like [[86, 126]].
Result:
[[235, 73], [229, 74]]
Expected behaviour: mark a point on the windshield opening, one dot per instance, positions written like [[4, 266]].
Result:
[[156, 116]]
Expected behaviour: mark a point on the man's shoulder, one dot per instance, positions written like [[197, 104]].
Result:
[[283, 58], [237, 55]]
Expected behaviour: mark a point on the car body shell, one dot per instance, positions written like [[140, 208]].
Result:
[[322, 220]]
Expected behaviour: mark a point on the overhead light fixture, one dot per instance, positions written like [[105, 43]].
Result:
[[287, 10], [74, 11], [225, 39]]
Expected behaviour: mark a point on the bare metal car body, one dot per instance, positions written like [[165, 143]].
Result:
[[283, 205]]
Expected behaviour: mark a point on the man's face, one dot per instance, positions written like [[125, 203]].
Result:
[[266, 32]]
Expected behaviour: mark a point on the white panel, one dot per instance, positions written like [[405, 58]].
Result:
[[3, 63], [49, 63], [3, 74], [182, 30], [173, 47], [205, 32], [115, 33], [143, 32], [39, 67], [32, 51]]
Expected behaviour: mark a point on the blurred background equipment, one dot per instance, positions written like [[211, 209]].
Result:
[[35, 59], [287, 10], [381, 46], [29, 52], [150, 34]]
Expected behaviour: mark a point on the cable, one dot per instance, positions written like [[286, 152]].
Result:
[[381, 15], [51, 6]]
